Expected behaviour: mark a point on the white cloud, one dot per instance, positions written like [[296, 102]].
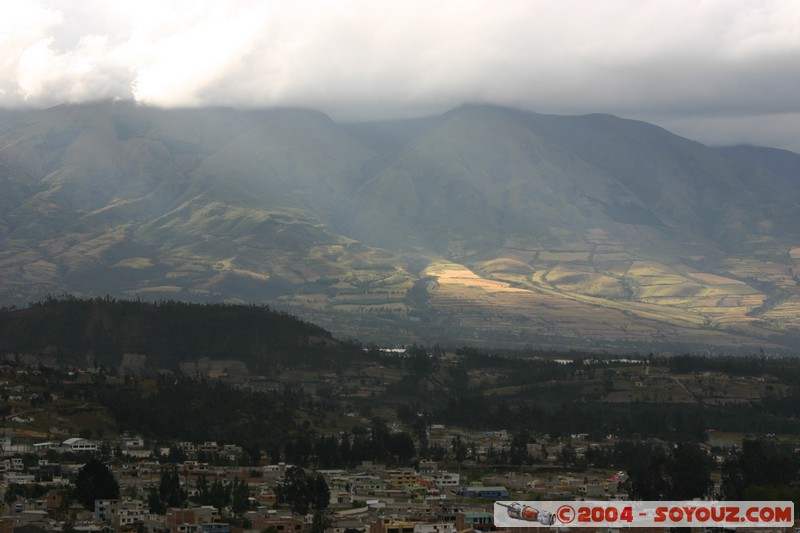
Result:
[[680, 60]]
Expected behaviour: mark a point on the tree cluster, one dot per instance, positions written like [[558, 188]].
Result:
[[374, 444], [683, 474], [303, 492], [95, 481], [169, 333], [170, 493], [234, 495], [762, 470]]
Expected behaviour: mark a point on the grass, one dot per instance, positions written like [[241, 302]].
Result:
[[135, 262]]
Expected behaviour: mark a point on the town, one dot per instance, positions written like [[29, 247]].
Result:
[[205, 487], [40, 489], [176, 417]]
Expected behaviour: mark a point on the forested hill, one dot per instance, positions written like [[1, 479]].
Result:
[[101, 331]]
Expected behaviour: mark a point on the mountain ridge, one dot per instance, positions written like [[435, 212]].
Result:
[[487, 223]]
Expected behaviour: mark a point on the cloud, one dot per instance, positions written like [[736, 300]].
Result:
[[682, 60]]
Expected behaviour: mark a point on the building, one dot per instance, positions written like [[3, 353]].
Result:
[[474, 520], [443, 527], [125, 519], [400, 479], [209, 446], [286, 524], [189, 520], [219, 527], [444, 479], [343, 526], [131, 441], [390, 525], [366, 485], [194, 467], [119, 512], [486, 493], [79, 445]]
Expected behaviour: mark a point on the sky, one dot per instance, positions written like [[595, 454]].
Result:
[[718, 71]]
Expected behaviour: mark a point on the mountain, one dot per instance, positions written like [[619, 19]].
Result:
[[483, 225]]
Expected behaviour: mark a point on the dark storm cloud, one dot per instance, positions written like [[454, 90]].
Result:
[[700, 66]]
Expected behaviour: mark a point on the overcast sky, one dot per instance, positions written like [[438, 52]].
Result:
[[719, 71]]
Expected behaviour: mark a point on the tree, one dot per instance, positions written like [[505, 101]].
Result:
[[95, 481], [219, 495], [763, 470], [294, 490], [683, 475], [690, 472], [519, 448], [176, 455], [648, 480], [154, 503], [240, 496], [169, 493], [10, 497], [169, 489], [303, 492], [459, 450], [202, 497], [401, 445], [319, 492], [320, 522], [567, 456]]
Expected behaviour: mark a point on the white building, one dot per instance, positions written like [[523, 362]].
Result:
[[443, 479], [444, 527], [77, 445], [132, 441]]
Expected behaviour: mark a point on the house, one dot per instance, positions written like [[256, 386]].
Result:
[[231, 451], [208, 447], [19, 478], [390, 525], [129, 441], [218, 527], [109, 510], [474, 520], [447, 513], [281, 524], [342, 526], [125, 519], [41, 447], [11, 449], [189, 520], [399, 479], [194, 467], [444, 479], [428, 467], [443, 527]]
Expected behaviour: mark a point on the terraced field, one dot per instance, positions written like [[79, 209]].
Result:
[[539, 310], [608, 294], [601, 295]]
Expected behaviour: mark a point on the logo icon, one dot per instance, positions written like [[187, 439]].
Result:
[[565, 514]]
